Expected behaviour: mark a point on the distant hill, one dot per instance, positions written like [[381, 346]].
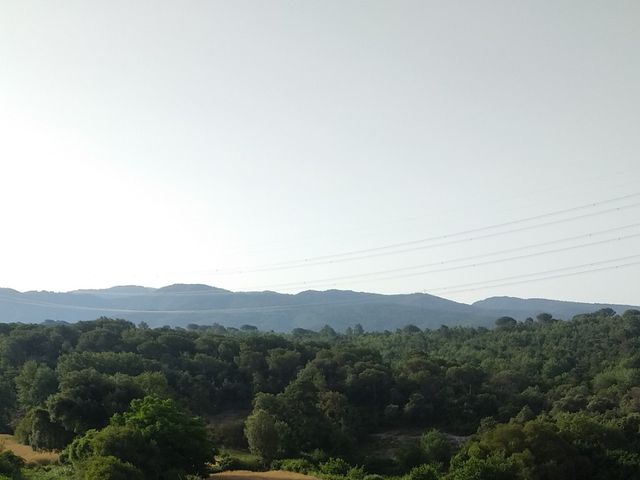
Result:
[[183, 304], [521, 308], [190, 288], [118, 290]]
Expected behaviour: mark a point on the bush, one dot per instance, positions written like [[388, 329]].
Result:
[[334, 466], [10, 464], [226, 462], [355, 473], [436, 447], [422, 472], [50, 472], [299, 465], [495, 467], [373, 477], [108, 468]]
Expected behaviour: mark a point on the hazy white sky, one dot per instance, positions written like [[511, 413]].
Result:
[[155, 142]]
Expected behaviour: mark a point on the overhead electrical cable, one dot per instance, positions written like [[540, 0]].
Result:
[[463, 232], [473, 257], [524, 275], [458, 267], [429, 246], [277, 245], [572, 274]]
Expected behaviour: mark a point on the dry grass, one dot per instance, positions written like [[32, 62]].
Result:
[[271, 475], [26, 452]]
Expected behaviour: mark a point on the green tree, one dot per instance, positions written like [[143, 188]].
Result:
[[34, 384], [158, 438], [36, 429], [267, 436], [505, 322], [181, 439]]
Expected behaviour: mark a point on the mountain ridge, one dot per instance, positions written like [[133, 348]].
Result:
[[184, 304]]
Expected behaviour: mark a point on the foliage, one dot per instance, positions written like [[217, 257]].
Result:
[[422, 472], [436, 447], [298, 465], [267, 436], [154, 435], [532, 399], [49, 472], [334, 466], [10, 464], [35, 428], [108, 468]]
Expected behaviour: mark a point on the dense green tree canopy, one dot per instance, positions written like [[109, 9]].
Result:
[[524, 400]]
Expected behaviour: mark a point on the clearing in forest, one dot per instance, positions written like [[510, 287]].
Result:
[[26, 452]]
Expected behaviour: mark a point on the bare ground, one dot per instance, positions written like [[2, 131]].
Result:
[[26, 452], [270, 475]]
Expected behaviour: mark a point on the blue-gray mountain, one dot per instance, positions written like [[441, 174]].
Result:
[[180, 305]]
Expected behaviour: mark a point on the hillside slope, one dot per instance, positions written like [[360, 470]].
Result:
[[521, 308], [180, 305], [183, 304]]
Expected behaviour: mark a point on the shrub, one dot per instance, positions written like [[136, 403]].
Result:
[[422, 472], [226, 462], [299, 465], [334, 466], [50, 472], [355, 473], [373, 476], [108, 468], [10, 464], [436, 447]]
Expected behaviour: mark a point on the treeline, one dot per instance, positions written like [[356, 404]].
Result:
[[537, 399]]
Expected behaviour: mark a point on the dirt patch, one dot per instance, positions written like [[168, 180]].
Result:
[[270, 475], [26, 452]]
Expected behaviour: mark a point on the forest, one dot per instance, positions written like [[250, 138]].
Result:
[[538, 399]]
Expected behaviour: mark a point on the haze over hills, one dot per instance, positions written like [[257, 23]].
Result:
[[182, 304]]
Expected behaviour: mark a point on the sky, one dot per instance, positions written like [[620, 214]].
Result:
[[257, 145]]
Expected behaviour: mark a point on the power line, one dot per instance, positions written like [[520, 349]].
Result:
[[545, 272], [277, 246], [326, 281], [434, 245], [464, 232], [613, 267]]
